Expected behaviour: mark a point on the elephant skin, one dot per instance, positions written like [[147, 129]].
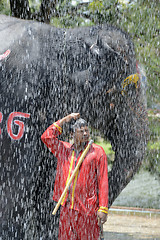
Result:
[[46, 73]]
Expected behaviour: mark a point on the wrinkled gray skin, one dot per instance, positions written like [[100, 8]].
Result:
[[49, 73]]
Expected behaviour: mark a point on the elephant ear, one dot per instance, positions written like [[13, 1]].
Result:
[[117, 43], [112, 57]]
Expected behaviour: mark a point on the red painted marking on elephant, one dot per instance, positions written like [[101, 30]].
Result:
[[1, 118], [6, 54], [17, 122]]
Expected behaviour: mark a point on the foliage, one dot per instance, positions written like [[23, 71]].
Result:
[[107, 148], [4, 7], [34, 5], [96, 6], [152, 162], [100, 11]]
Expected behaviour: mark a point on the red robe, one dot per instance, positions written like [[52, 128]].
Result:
[[89, 189]]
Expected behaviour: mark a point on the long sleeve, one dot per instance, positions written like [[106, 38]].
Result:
[[102, 175], [49, 137]]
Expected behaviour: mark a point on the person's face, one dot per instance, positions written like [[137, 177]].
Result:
[[81, 135]]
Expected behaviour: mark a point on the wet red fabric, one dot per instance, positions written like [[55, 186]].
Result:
[[76, 226], [89, 189]]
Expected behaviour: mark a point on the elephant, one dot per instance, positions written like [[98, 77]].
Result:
[[46, 73]]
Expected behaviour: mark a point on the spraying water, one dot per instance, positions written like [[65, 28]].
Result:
[[46, 73]]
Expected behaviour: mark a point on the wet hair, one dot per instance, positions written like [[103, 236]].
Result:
[[78, 124]]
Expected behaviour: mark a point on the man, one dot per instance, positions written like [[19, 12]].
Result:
[[87, 196]]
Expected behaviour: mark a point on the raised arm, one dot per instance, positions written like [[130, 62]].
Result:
[[49, 137], [68, 118]]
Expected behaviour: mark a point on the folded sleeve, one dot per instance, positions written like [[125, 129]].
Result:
[[49, 138]]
